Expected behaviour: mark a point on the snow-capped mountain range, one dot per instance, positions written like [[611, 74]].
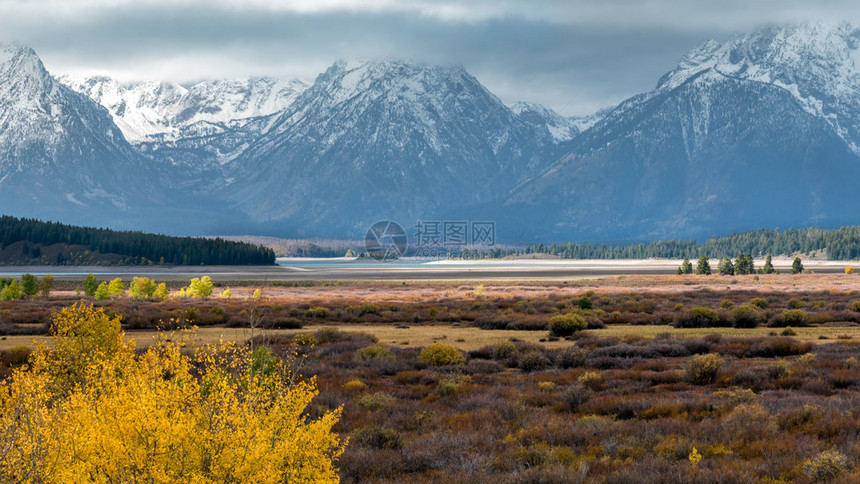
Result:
[[146, 111], [61, 155], [760, 131]]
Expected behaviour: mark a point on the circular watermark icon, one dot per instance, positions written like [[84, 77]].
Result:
[[385, 241]]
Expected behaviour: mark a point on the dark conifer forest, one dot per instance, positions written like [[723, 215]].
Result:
[[128, 248]]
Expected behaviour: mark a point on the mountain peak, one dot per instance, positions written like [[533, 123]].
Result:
[[773, 53]]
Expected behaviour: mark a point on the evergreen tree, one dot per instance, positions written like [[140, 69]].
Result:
[[796, 266], [768, 265], [687, 266], [744, 264], [725, 267], [703, 266]]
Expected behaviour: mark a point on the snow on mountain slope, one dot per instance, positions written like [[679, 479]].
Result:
[[755, 132], [815, 62], [371, 139], [151, 111], [60, 152], [541, 118]]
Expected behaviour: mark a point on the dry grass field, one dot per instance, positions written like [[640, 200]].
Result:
[[675, 378]]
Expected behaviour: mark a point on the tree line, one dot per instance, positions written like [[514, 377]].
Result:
[[137, 247], [837, 244]]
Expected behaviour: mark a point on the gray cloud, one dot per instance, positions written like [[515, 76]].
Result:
[[573, 56]]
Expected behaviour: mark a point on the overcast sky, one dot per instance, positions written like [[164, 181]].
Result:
[[574, 56]]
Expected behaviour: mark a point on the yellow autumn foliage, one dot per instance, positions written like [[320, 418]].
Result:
[[88, 409]]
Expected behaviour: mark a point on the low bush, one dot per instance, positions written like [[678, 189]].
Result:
[[377, 401], [576, 395], [504, 350], [566, 324], [703, 369], [826, 466], [697, 317], [377, 437], [745, 316], [794, 303], [438, 354], [533, 361], [792, 317], [759, 302], [571, 357]]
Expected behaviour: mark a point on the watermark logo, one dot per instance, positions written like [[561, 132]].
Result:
[[386, 241], [438, 239], [455, 234]]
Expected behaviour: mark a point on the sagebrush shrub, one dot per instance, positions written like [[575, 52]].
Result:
[[576, 395], [697, 317], [566, 324], [354, 386], [792, 317], [438, 354], [504, 350], [826, 466], [745, 316], [794, 303], [703, 369], [377, 437], [759, 302], [533, 361], [377, 401], [571, 357]]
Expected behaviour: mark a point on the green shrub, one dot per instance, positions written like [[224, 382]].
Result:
[[533, 361], [10, 292], [373, 352], [29, 285], [452, 385], [745, 316], [584, 302], [362, 309], [778, 369], [855, 306], [703, 369], [377, 401], [102, 292], [141, 288], [826, 466], [572, 356], [201, 287], [439, 354], [788, 331], [697, 317], [793, 317], [504, 350], [794, 303], [566, 324], [759, 302]]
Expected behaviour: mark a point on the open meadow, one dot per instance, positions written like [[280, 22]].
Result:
[[631, 378]]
